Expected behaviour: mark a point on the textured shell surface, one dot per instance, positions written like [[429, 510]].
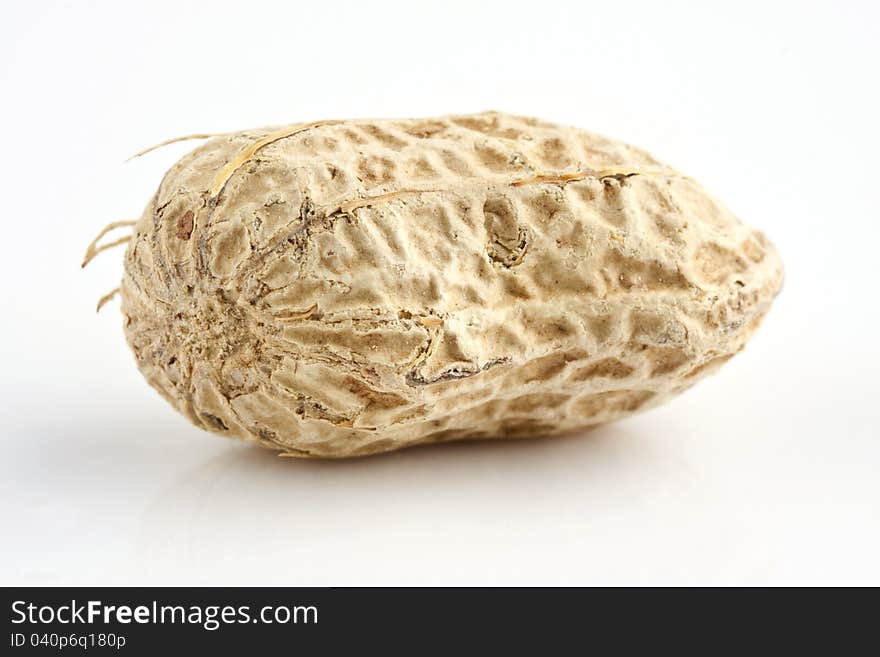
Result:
[[342, 288]]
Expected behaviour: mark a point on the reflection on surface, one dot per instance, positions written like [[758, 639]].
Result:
[[176, 505]]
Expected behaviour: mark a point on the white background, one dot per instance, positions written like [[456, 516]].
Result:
[[767, 473]]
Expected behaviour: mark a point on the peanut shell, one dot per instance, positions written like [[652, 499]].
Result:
[[343, 288]]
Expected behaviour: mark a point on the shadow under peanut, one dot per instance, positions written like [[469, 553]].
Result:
[[206, 510], [282, 520]]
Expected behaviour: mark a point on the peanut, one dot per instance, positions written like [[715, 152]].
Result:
[[343, 288]]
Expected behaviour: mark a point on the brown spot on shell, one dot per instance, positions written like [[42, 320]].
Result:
[[185, 225]]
